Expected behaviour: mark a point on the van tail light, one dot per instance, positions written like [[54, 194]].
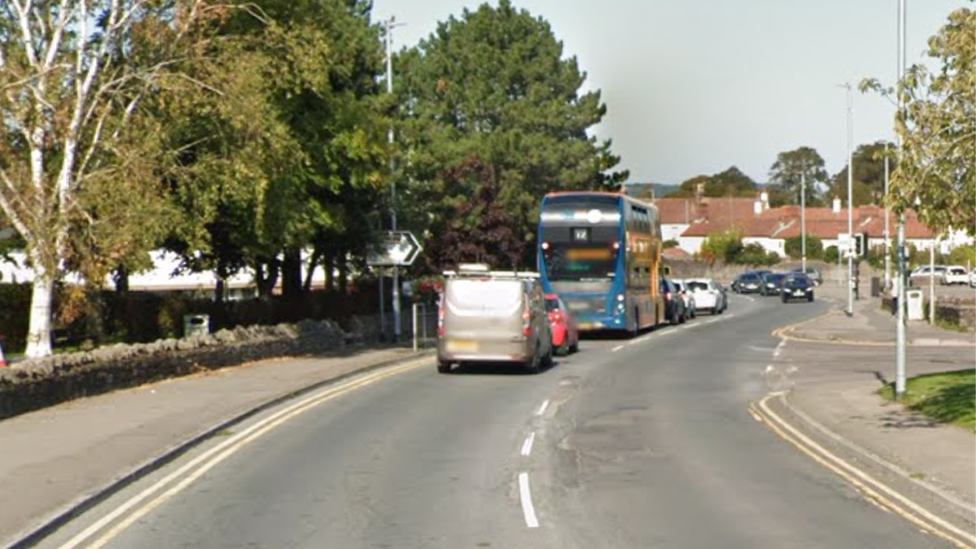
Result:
[[440, 321], [526, 324]]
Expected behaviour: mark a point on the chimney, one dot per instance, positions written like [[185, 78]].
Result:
[[757, 207], [699, 192], [764, 198], [836, 208]]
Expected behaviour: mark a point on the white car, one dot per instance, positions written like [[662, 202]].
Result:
[[690, 305], [956, 274], [921, 275], [972, 279], [709, 295]]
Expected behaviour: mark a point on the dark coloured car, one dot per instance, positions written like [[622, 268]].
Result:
[[814, 273], [675, 310], [772, 283], [797, 286], [747, 283]]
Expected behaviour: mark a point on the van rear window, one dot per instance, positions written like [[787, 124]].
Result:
[[499, 297]]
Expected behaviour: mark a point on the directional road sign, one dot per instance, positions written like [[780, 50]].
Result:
[[396, 248]]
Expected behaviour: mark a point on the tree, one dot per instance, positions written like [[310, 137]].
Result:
[[724, 247], [793, 246], [938, 130], [786, 176], [495, 83], [868, 181], [73, 75], [731, 182]]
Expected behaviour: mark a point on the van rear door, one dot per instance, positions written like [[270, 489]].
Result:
[[483, 316]]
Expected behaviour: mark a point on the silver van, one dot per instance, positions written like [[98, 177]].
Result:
[[493, 316]]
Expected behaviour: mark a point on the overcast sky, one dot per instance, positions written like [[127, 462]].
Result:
[[694, 87]]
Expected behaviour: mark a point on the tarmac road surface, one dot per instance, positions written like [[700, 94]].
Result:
[[629, 443]]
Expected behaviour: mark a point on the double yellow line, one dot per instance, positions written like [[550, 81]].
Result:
[[875, 491], [140, 505]]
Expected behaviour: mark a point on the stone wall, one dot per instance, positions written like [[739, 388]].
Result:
[[957, 311], [35, 384]]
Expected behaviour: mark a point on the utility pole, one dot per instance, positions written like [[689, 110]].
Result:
[[900, 300], [887, 234], [850, 202], [390, 25], [803, 221]]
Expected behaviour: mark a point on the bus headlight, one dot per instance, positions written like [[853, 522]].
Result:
[[620, 297]]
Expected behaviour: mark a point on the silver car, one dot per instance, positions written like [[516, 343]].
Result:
[[492, 316]]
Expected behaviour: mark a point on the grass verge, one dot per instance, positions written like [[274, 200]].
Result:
[[949, 397]]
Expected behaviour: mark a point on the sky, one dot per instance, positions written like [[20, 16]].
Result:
[[693, 87]]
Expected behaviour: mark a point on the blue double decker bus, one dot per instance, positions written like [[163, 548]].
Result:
[[601, 253]]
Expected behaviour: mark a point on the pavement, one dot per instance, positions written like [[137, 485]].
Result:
[[828, 371], [58, 461]]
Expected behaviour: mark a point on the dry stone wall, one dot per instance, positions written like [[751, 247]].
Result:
[[35, 384]]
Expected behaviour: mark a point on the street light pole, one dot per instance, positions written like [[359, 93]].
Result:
[[900, 335], [390, 25], [887, 234], [803, 221], [850, 202]]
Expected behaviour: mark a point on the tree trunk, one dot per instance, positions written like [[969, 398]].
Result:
[[220, 289], [343, 275], [39, 332], [266, 277], [121, 278], [312, 264], [291, 273], [329, 267]]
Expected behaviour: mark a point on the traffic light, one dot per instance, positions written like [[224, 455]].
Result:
[[861, 244]]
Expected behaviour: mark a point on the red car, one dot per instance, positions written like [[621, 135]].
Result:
[[565, 334]]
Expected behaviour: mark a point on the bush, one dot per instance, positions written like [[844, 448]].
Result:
[[963, 255], [722, 247], [794, 247], [831, 254], [755, 254]]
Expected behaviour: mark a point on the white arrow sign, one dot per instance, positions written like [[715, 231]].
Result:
[[397, 248]]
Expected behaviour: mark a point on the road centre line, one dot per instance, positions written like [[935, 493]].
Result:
[[864, 482], [219, 453], [618, 347], [542, 409], [525, 495], [527, 445]]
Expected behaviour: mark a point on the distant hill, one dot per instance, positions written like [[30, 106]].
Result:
[[645, 190]]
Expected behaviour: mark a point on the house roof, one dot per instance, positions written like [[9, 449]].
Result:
[[677, 211]]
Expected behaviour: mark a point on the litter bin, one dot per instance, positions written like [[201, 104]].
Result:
[[196, 325], [915, 303]]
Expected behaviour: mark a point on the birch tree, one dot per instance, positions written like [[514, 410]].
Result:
[[72, 75]]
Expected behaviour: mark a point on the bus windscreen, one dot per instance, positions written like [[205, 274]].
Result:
[[581, 238]]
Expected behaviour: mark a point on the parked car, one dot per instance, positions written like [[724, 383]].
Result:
[[748, 282], [674, 305], [956, 274], [772, 283], [565, 332], [972, 279], [688, 296], [709, 295], [797, 286], [921, 275], [814, 273], [493, 316]]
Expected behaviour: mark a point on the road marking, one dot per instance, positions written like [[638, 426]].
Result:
[[542, 409], [526, 496], [864, 482], [219, 453], [527, 445], [617, 348]]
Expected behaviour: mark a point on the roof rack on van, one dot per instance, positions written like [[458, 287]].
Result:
[[477, 270]]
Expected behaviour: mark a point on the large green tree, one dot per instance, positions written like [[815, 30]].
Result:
[[869, 173], [495, 84], [278, 156], [787, 173], [731, 182], [938, 130]]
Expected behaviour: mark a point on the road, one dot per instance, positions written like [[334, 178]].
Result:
[[629, 443]]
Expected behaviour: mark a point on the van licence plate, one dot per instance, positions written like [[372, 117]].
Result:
[[462, 346]]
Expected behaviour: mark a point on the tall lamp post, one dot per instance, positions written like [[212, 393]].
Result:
[[803, 221], [900, 335], [850, 202], [390, 25]]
